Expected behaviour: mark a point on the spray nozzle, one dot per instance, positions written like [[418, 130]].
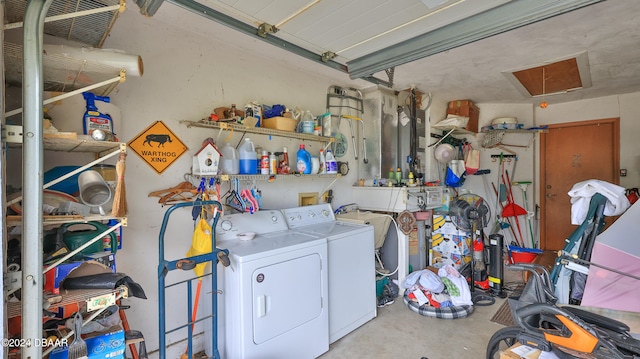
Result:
[[90, 99]]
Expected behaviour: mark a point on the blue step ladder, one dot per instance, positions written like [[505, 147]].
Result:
[[188, 263]]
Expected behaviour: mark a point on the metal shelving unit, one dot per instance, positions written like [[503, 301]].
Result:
[[256, 130]]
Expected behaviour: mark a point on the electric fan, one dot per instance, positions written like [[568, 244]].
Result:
[[471, 213]]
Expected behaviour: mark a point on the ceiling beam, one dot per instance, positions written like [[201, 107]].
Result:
[[512, 15]]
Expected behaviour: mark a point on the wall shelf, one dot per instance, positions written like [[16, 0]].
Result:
[[275, 177], [520, 130], [256, 130]]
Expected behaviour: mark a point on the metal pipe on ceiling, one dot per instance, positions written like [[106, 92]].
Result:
[[514, 14], [300, 11]]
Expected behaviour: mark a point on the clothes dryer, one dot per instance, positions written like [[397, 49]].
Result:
[[274, 298], [351, 258]]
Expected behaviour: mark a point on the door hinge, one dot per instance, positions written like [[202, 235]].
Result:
[[12, 133]]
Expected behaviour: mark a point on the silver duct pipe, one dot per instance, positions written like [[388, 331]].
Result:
[[32, 176]]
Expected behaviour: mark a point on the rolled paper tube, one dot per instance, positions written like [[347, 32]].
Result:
[[132, 64]]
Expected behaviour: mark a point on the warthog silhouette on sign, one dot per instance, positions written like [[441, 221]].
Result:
[[161, 139]]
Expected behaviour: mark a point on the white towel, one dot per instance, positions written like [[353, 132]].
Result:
[[582, 192]]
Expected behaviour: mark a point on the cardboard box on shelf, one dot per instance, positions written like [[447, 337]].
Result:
[[465, 108]]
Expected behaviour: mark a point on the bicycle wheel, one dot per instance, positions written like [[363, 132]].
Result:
[[502, 340]]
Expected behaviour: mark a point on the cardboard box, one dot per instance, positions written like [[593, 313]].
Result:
[[519, 351], [100, 345], [280, 123], [465, 108], [449, 245]]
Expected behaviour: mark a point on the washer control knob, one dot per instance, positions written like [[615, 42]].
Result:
[[226, 225], [325, 213], [291, 218], [299, 217], [312, 214], [274, 219]]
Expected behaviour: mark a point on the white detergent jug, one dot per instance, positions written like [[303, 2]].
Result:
[[248, 158], [230, 161]]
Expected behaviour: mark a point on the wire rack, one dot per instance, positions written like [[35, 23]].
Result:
[[90, 28]]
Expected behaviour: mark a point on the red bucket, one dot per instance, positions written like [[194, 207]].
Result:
[[523, 255]]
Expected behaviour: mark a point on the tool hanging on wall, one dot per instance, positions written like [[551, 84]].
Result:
[[343, 100], [353, 139], [523, 186]]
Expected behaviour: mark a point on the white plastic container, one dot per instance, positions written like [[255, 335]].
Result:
[[230, 161], [248, 158], [331, 164]]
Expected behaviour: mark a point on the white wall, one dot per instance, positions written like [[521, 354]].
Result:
[[187, 75]]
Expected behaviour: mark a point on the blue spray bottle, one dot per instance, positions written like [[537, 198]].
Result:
[[94, 119]]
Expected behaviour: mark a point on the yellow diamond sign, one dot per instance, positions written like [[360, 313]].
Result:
[[158, 146]]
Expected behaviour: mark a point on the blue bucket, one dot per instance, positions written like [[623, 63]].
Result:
[[69, 185]]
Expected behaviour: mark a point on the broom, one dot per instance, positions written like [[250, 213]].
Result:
[[119, 207]]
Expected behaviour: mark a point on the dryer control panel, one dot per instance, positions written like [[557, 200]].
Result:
[[303, 216], [260, 222]]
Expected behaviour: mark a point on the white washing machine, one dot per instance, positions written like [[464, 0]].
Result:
[[274, 300], [352, 282]]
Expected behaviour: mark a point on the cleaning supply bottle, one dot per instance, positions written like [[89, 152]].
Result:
[[248, 158], [94, 119], [283, 166], [323, 161], [398, 175], [264, 163], [330, 163], [303, 161], [273, 164], [229, 163]]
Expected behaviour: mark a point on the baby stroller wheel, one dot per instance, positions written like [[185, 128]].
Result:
[[502, 340]]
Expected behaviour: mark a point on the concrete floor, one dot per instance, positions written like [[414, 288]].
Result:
[[399, 332]]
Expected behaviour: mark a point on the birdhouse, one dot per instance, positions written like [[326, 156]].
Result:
[[205, 161]]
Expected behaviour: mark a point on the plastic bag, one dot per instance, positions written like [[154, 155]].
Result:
[[471, 159], [455, 173], [201, 243]]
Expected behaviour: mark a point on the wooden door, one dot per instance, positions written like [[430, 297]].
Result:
[[570, 153]]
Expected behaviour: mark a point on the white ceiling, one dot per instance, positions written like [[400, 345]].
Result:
[[608, 32]]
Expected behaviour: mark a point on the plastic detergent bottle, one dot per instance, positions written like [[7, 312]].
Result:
[[330, 163], [229, 163], [248, 158], [303, 161]]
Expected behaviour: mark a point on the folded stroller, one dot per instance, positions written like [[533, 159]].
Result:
[[568, 284], [566, 332]]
